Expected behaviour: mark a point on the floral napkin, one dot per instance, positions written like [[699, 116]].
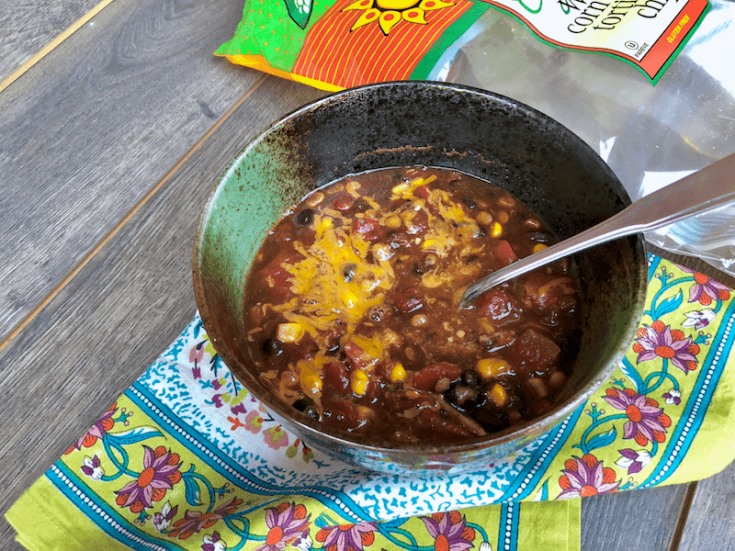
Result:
[[187, 459]]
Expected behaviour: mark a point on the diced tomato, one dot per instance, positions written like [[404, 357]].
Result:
[[399, 401], [422, 191], [356, 355], [408, 300], [370, 229], [342, 411], [335, 376], [419, 223], [274, 278], [432, 423], [533, 351], [504, 253], [343, 202], [501, 307], [547, 291], [426, 378]]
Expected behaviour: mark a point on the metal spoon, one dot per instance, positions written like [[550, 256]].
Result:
[[704, 190]]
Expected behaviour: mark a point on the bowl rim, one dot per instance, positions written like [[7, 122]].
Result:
[[534, 427]]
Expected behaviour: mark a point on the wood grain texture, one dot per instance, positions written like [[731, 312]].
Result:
[[28, 26], [93, 126], [711, 522], [644, 520], [119, 312]]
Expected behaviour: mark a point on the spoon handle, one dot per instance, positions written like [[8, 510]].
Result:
[[704, 190]]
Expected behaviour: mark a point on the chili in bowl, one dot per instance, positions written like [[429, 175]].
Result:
[[331, 256]]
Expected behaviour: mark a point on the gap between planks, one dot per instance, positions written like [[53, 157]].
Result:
[[147, 197], [683, 516], [15, 75]]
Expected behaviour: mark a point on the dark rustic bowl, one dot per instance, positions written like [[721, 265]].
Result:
[[416, 123]]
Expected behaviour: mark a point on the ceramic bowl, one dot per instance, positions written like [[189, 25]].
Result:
[[492, 137]]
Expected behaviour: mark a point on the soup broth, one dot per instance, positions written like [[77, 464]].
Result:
[[351, 305]]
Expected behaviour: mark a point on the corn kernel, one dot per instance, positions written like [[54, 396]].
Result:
[[398, 373], [538, 247], [497, 230], [499, 395], [311, 382], [349, 299], [428, 243], [289, 332], [393, 222], [359, 382], [492, 367]]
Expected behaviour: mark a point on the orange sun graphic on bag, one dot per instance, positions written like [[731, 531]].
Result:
[[388, 13]]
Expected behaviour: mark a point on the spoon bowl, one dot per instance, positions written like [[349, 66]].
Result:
[[704, 190]]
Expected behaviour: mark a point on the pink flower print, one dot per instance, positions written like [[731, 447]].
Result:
[[633, 460], [450, 531], [253, 422], [91, 468], [196, 353], [160, 473], [659, 341], [705, 290], [286, 522], [699, 319], [195, 521], [276, 437], [213, 543], [646, 421], [163, 518], [96, 431], [347, 537], [586, 476]]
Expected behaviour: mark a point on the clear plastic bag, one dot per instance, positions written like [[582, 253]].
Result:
[[650, 135]]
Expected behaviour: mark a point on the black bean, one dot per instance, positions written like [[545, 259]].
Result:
[[348, 272], [273, 347], [302, 403], [312, 412], [492, 420], [469, 202], [305, 217], [539, 236], [459, 395], [470, 378]]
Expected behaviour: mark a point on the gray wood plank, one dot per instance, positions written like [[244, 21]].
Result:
[[28, 26], [119, 312], [711, 523], [644, 520], [92, 127]]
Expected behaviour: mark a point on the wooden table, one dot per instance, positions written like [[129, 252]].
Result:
[[111, 139]]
